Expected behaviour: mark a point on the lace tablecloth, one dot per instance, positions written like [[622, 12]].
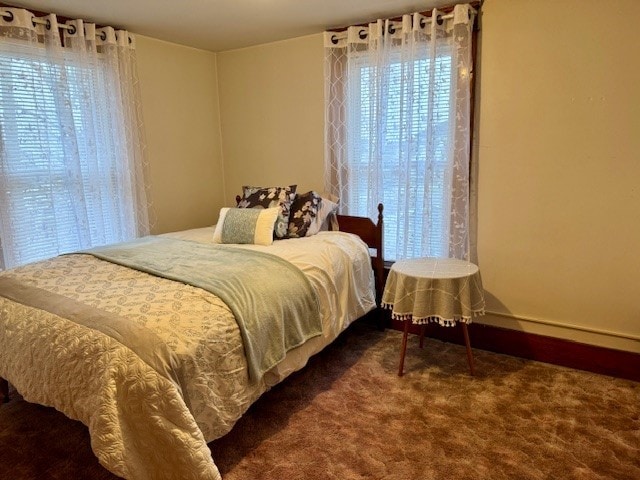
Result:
[[442, 290]]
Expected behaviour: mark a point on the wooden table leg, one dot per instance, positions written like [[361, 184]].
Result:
[[423, 327], [4, 390], [403, 349], [467, 342]]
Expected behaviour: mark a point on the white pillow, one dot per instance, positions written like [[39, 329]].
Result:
[[246, 225], [326, 215]]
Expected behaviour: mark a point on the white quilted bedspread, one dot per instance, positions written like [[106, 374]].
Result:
[[140, 423]]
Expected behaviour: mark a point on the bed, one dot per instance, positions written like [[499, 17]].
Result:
[[156, 367]]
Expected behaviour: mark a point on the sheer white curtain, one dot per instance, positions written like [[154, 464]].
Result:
[[71, 147], [397, 128]]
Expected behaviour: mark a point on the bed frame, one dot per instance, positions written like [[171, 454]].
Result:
[[369, 232]]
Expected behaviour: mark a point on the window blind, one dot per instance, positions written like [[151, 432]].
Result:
[[401, 114]]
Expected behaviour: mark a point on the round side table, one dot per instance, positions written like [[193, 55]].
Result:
[[439, 290]]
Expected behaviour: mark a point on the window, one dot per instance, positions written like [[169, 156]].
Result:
[[67, 176], [399, 128]]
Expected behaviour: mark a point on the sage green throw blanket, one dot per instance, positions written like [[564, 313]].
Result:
[[271, 299]]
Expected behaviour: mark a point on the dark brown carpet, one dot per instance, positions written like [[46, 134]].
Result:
[[348, 415]]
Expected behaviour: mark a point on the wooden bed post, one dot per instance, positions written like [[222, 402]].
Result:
[[378, 261]]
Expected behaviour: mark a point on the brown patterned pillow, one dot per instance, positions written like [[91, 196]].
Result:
[[303, 213], [269, 197]]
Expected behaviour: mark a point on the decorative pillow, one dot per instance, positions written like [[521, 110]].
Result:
[[246, 225], [268, 197], [304, 211], [326, 215]]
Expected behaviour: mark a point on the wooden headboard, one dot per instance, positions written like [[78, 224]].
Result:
[[371, 234]]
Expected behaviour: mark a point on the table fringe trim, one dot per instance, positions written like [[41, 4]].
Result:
[[444, 322]]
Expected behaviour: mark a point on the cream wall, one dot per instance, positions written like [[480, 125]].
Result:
[[557, 142], [559, 151], [180, 107], [272, 114]]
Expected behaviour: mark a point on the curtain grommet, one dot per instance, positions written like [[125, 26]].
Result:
[[334, 39], [103, 36], [362, 34], [8, 16], [72, 30], [48, 25]]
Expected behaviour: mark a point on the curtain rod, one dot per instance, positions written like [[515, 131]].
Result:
[[475, 6], [34, 20], [61, 18]]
